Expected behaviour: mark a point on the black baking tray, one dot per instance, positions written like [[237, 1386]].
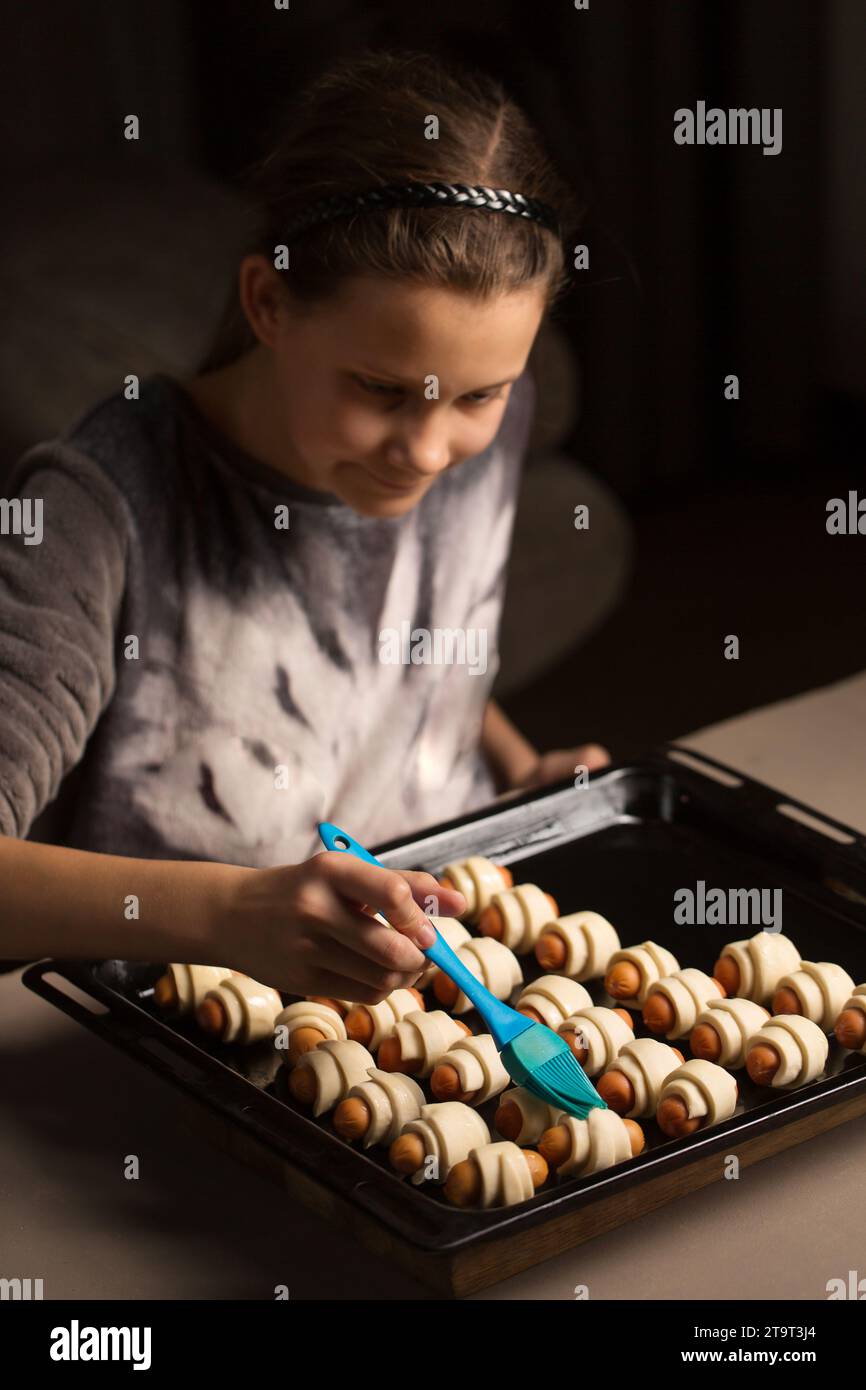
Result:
[[620, 845]]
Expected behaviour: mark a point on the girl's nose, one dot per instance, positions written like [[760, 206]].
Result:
[[425, 453]]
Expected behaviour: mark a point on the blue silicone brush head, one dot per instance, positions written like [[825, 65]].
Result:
[[543, 1062]]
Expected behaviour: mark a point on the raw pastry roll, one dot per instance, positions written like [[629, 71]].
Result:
[[183, 987], [851, 1024], [325, 1076], [817, 990], [496, 1175], [493, 964], [445, 1133], [752, 969], [787, 1051], [477, 879], [302, 1026], [673, 1003], [599, 1036], [371, 1024], [376, 1110], [551, 998], [632, 1084], [471, 1070], [579, 945], [517, 916], [697, 1094], [239, 1010], [419, 1041], [633, 969], [523, 1116], [454, 934], [576, 1148], [723, 1028]]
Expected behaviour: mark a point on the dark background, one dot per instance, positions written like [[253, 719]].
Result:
[[704, 261]]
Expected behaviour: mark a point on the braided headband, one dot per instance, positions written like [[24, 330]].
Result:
[[424, 195]]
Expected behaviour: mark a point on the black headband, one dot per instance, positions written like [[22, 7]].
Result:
[[424, 195]]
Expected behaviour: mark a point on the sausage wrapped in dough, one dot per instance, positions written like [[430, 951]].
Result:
[[632, 1084], [517, 916], [325, 1076], [376, 1110], [183, 987], [523, 1116], [787, 1051], [850, 1026], [817, 990], [579, 945], [697, 1094], [577, 1148], [752, 969], [633, 969], [496, 1175], [302, 1026], [673, 1003], [471, 1070], [442, 1135], [477, 879], [421, 1039], [551, 998], [598, 1034], [239, 1010], [371, 1024], [723, 1028]]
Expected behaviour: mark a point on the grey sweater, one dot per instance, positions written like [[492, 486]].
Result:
[[221, 673]]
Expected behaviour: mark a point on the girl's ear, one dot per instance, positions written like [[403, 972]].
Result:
[[263, 297]]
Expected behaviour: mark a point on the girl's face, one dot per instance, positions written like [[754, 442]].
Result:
[[378, 391]]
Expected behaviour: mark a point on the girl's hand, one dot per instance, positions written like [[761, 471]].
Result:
[[553, 767], [309, 929]]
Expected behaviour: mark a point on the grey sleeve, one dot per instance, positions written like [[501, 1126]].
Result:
[[60, 598]]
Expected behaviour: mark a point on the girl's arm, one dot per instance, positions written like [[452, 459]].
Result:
[[517, 765], [74, 904], [511, 756], [304, 928]]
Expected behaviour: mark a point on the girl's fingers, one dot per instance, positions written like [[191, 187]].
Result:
[[593, 755], [434, 900], [426, 890], [342, 957], [365, 939], [336, 986], [385, 890]]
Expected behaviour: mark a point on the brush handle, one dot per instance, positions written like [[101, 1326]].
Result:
[[504, 1022]]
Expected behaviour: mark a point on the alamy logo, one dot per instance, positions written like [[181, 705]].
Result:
[[22, 516], [728, 907], [854, 1288], [443, 646], [20, 1289], [76, 1343], [737, 126], [846, 518]]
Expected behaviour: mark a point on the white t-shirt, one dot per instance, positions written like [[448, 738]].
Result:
[[220, 681]]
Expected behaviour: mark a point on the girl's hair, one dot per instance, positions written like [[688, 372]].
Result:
[[363, 123]]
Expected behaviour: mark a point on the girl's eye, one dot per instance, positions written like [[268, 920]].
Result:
[[480, 397], [378, 388]]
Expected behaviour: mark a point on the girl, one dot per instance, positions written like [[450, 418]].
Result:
[[227, 625]]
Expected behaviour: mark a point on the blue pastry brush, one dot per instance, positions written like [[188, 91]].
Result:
[[532, 1054]]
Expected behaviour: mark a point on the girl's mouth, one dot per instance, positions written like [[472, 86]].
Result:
[[390, 485]]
